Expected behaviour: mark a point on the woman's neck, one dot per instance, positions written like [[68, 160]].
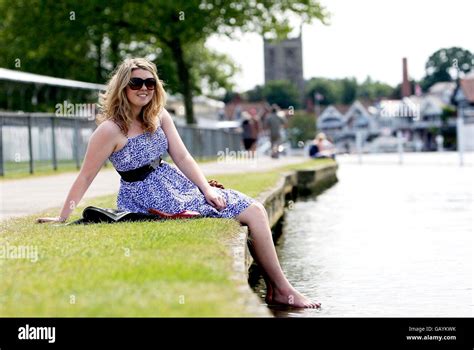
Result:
[[136, 112]]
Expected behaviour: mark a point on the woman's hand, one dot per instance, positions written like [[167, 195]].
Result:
[[215, 199], [55, 219]]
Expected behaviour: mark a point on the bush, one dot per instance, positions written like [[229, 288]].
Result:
[[301, 127]]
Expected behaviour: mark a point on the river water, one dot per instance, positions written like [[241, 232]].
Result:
[[387, 240]]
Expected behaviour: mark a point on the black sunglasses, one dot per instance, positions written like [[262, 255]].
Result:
[[137, 83]]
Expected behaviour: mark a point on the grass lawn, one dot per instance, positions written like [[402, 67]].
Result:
[[21, 170], [168, 268]]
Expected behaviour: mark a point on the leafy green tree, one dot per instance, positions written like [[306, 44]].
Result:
[[346, 90], [301, 127], [374, 90], [448, 112], [255, 94], [329, 89], [211, 71], [281, 92], [349, 90], [445, 65], [85, 42], [183, 22], [48, 37]]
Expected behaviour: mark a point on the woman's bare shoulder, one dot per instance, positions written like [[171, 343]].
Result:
[[108, 129], [164, 116]]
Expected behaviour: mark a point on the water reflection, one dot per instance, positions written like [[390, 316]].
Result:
[[386, 240]]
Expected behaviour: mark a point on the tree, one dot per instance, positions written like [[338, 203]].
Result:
[[445, 65], [302, 127], [346, 90], [349, 90], [86, 42], [328, 88], [183, 22], [255, 94], [374, 90], [49, 37], [106, 32], [211, 71], [281, 92]]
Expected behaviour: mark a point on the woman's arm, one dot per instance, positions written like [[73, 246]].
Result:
[[101, 144], [186, 163]]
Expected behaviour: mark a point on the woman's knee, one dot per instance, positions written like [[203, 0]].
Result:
[[254, 211], [259, 208]]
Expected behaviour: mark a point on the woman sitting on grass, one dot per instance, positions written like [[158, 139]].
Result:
[[135, 131]]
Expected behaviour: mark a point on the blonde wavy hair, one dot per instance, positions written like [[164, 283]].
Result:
[[115, 106]]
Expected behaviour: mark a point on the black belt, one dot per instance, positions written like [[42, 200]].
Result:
[[141, 173]]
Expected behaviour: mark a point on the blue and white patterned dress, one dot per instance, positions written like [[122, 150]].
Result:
[[166, 189]]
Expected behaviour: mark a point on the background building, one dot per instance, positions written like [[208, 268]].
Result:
[[284, 61]]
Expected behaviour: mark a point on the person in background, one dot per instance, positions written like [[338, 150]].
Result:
[[274, 123], [250, 130], [322, 147]]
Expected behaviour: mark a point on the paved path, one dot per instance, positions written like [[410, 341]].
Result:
[[29, 196]]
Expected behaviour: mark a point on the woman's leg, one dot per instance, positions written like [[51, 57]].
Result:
[[269, 295], [279, 290]]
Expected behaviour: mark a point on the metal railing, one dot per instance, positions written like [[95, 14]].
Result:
[[38, 140]]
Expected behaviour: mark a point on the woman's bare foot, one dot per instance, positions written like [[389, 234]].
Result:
[[291, 297], [269, 296]]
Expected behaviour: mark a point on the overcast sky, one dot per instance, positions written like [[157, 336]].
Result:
[[365, 37]]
